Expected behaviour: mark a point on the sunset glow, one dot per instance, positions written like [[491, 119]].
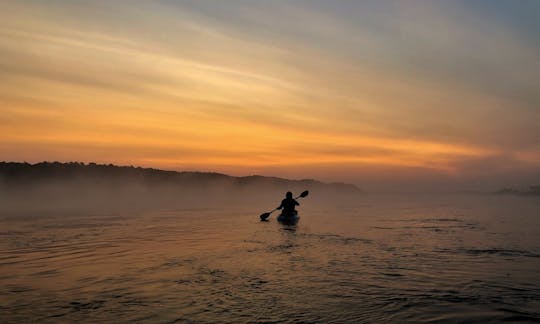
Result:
[[297, 89]]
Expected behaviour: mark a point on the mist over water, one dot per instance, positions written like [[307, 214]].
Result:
[[373, 258], [92, 188]]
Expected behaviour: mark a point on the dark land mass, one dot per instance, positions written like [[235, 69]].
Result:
[[532, 191], [75, 185]]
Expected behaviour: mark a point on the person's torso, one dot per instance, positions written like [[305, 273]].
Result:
[[288, 204]]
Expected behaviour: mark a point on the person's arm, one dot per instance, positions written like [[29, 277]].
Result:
[[296, 203], [281, 205]]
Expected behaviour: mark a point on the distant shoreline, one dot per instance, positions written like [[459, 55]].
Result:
[[23, 171], [79, 186], [532, 191]]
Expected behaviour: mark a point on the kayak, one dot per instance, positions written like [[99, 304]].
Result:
[[288, 219]]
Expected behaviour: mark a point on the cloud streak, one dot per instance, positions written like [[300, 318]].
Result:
[[271, 86]]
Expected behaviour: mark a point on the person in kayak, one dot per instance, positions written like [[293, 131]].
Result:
[[288, 204]]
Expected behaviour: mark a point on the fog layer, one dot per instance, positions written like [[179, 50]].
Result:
[[76, 186]]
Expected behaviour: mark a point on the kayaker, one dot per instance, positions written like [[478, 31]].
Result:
[[288, 205]]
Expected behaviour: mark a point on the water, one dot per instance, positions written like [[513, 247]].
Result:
[[380, 259]]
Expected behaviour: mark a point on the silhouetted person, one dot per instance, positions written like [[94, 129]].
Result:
[[288, 205]]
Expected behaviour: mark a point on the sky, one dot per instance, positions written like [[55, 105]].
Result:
[[388, 95]]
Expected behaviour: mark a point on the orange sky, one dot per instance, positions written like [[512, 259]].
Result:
[[330, 90]]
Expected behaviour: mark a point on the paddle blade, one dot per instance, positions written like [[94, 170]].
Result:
[[264, 216], [304, 194]]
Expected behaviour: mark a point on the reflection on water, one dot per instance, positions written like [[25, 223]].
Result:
[[384, 259]]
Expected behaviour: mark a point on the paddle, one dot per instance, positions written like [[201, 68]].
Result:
[[266, 215]]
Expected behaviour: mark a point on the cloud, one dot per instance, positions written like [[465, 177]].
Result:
[[331, 86]]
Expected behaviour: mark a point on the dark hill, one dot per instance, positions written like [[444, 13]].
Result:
[[73, 185], [532, 191], [19, 174]]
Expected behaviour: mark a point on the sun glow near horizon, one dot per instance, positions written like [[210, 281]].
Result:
[[223, 87]]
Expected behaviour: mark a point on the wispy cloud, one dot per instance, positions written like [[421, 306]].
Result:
[[262, 85]]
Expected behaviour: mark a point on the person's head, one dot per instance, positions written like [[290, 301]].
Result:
[[288, 195]]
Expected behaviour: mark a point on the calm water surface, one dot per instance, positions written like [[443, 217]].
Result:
[[380, 259]]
